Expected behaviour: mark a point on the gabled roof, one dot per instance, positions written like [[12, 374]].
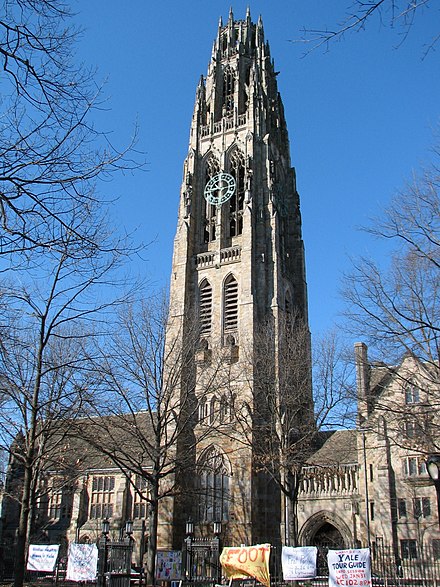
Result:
[[339, 449]]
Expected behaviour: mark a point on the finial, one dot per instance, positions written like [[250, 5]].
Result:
[[248, 13], [220, 23], [231, 16]]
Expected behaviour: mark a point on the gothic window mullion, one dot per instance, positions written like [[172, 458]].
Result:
[[236, 204], [209, 210]]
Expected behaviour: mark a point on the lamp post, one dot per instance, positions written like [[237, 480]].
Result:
[[189, 531], [433, 467], [105, 529], [128, 529], [217, 528]]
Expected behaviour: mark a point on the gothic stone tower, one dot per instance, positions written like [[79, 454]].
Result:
[[238, 263]]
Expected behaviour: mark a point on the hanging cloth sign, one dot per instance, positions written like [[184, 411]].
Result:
[[82, 562], [42, 557], [349, 568], [247, 561], [299, 563]]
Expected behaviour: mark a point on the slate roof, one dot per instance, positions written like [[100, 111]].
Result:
[[339, 449]]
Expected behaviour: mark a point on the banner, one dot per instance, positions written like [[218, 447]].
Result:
[[42, 557], [247, 561], [168, 565], [349, 568], [298, 563], [82, 562]]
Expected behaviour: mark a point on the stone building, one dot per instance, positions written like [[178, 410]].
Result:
[[238, 267], [370, 486]]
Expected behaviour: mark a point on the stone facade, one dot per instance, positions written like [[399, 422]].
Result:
[[370, 486]]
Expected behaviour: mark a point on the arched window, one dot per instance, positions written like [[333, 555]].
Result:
[[205, 306], [213, 473], [236, 203], [210, 211], [230, 304], [228, 91]]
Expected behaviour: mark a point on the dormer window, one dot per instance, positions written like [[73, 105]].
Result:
[[412, 394]]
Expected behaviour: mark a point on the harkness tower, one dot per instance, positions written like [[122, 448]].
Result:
[[238, 263]]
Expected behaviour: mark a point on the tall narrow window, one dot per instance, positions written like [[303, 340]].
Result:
[[236, 203], [213, 482], [205, 307], [210, 211], [228, 91], [412, 394], [230, 304], [102, 497], [55, 504], [402, 508], [140, 506]]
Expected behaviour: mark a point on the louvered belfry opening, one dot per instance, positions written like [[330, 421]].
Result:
[[230, 321], [205, 307]]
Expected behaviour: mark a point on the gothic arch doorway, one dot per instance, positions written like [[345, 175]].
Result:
[[327, 531], [326, 538], [329, 537]]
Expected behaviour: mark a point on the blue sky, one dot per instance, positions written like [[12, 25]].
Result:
[[361, 117]]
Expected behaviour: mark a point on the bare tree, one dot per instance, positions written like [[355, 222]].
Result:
[[395, 303], [396, 14], [150, 407], [285, 424], [51, 155], [52, 313]]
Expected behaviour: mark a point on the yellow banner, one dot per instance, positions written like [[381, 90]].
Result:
[[247, 561]]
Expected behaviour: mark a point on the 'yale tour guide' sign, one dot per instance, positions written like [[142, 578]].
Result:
[[349, 568]]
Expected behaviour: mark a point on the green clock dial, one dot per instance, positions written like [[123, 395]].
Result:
[[219, 189]]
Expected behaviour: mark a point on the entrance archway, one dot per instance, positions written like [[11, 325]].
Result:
[[326, 538], [329, 537], [325, 530]]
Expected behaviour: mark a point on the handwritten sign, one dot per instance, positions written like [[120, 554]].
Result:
[[42, 557], [349, 568], [247, 561], [82, 562], [298, 563]]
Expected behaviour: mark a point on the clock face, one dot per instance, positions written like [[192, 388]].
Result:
[[219, 188]]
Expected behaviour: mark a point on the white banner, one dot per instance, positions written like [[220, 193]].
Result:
[[299, 563], [349, 568], [82, 562], [42, 557]]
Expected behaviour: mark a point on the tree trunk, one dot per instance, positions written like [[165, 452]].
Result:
[[150, 561], [20, 548]]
